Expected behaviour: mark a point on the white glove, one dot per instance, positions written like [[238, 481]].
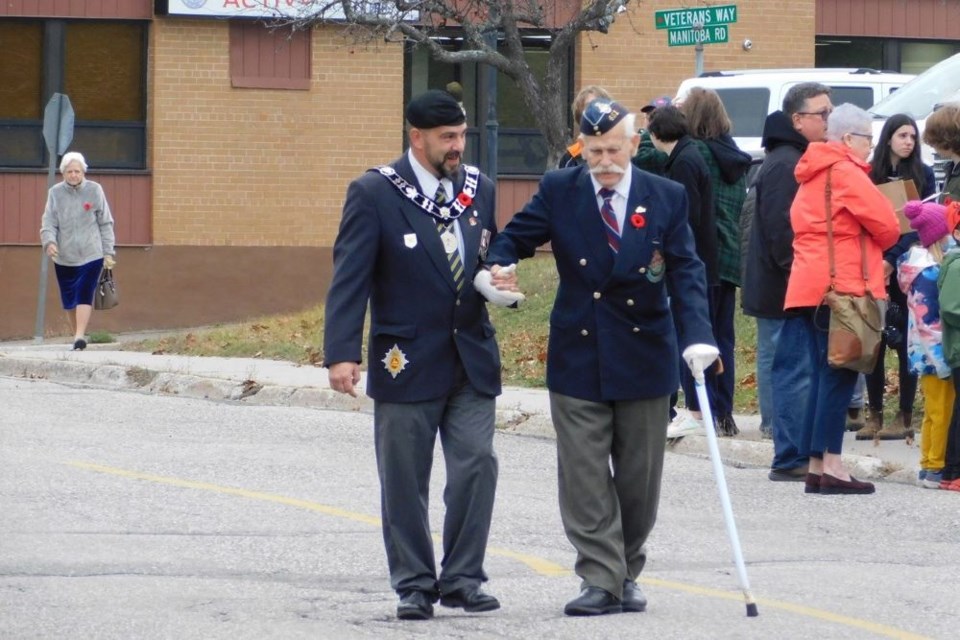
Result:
[[109, 262], [481, 282], [699, 357]]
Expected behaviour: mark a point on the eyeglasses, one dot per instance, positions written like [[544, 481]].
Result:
[[823, 114], [868, 136]]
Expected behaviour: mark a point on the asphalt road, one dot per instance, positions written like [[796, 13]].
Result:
[[128, 515]]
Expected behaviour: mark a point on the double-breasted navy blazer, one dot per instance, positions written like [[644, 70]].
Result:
[[612, 333], [388, 251]]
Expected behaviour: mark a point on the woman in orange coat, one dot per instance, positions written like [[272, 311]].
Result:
[[856, 207]]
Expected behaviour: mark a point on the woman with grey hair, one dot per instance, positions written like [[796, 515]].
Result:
[[835, 186], [76, 231]]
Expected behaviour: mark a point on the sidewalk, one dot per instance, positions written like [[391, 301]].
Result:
[[269, 382]]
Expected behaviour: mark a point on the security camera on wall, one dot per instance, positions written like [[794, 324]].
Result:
[[747, 44]]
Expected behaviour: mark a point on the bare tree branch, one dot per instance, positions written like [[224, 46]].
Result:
[[430, 23]]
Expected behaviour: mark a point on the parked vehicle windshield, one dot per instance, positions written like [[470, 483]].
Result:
[[918, 97]]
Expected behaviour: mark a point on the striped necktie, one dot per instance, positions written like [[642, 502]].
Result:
[[453, 257], [610, 219]]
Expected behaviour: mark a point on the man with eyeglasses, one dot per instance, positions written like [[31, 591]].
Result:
[[783, 374]]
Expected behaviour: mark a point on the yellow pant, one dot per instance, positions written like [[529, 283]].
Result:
[[938, 396]]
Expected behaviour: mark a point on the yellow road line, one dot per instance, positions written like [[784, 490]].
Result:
[[539, 565], [799, 609]]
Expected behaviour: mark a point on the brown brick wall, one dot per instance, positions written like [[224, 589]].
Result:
[[634, 62], [263, 167]]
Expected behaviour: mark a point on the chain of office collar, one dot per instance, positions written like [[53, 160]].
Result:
[[444, 213]]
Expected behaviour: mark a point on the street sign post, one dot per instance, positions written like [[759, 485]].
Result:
[[697, 27], [58, 119]]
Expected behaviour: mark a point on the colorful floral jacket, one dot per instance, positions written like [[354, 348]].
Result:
[[917, 274]]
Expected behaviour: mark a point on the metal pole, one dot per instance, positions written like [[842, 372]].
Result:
[[698, 49], [44, 261], [492, 126]]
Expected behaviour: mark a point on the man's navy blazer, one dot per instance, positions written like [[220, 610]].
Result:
[[388, 251], [612, 333]]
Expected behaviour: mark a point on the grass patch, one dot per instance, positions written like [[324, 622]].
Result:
[[521, 333], [100, 337]]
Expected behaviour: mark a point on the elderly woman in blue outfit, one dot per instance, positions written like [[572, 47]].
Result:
[[77, 233]]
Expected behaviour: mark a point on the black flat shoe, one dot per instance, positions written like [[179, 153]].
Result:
[[593, 601], [415, 605], [471, 599], [79, 344], [633, 599], [835, 486]]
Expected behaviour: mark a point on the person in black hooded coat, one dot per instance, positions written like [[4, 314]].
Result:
[[783, 376]]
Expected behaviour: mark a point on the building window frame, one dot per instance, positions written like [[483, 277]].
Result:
[[525, 152], [132, 134]]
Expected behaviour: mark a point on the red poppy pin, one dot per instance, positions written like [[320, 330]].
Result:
[[464, 199], [637, 219], [86, 206]]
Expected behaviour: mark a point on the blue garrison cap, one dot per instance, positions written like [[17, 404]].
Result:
[[600, 116]]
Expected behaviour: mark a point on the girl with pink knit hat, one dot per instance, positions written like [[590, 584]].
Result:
[[917, 273], [949, 285]]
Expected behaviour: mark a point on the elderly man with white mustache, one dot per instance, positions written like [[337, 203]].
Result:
[[622, 244]]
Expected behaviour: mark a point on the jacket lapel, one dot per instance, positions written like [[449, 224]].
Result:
[[423, 224], [587, 213], [632, 237]]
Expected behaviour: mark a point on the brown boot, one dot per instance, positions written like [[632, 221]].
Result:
[[855, 420], [896, 430], [871, 427]]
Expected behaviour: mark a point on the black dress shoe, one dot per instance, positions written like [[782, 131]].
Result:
[[796, 474], [812, 483], [415, 605], [593, 601], [633, 599], [471, 599], [79, 344], [831, 485]]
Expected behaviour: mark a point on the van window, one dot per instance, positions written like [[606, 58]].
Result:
[[747, 109], [860, 96]]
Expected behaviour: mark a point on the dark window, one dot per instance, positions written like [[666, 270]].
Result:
[[521, 149], [265, 58], [747, 109], [99, 65], [860, 96]]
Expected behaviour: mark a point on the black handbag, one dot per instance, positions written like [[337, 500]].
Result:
[[106, 296]]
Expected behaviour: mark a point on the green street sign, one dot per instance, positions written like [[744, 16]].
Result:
[[707, 35], [687, 18]]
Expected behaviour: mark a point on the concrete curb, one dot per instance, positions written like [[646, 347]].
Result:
[[520, 411]]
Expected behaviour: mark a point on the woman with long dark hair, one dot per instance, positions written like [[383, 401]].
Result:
[[896, 157]]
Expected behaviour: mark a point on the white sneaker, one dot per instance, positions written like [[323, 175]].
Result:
[[684, 425]]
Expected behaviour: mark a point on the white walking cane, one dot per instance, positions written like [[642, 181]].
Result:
[[725, 497]]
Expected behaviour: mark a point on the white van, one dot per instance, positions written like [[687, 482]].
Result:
[[750, 95], [938, 85]]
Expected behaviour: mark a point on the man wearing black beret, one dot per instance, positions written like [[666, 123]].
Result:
[[622, 244], [412, 236]]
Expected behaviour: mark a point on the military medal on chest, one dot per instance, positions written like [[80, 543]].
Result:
[[449, 241]]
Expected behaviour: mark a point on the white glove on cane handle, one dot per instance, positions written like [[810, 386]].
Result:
[[699, 357], [482, 283]]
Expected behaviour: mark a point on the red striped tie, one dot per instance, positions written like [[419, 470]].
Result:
[[610, 219]]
